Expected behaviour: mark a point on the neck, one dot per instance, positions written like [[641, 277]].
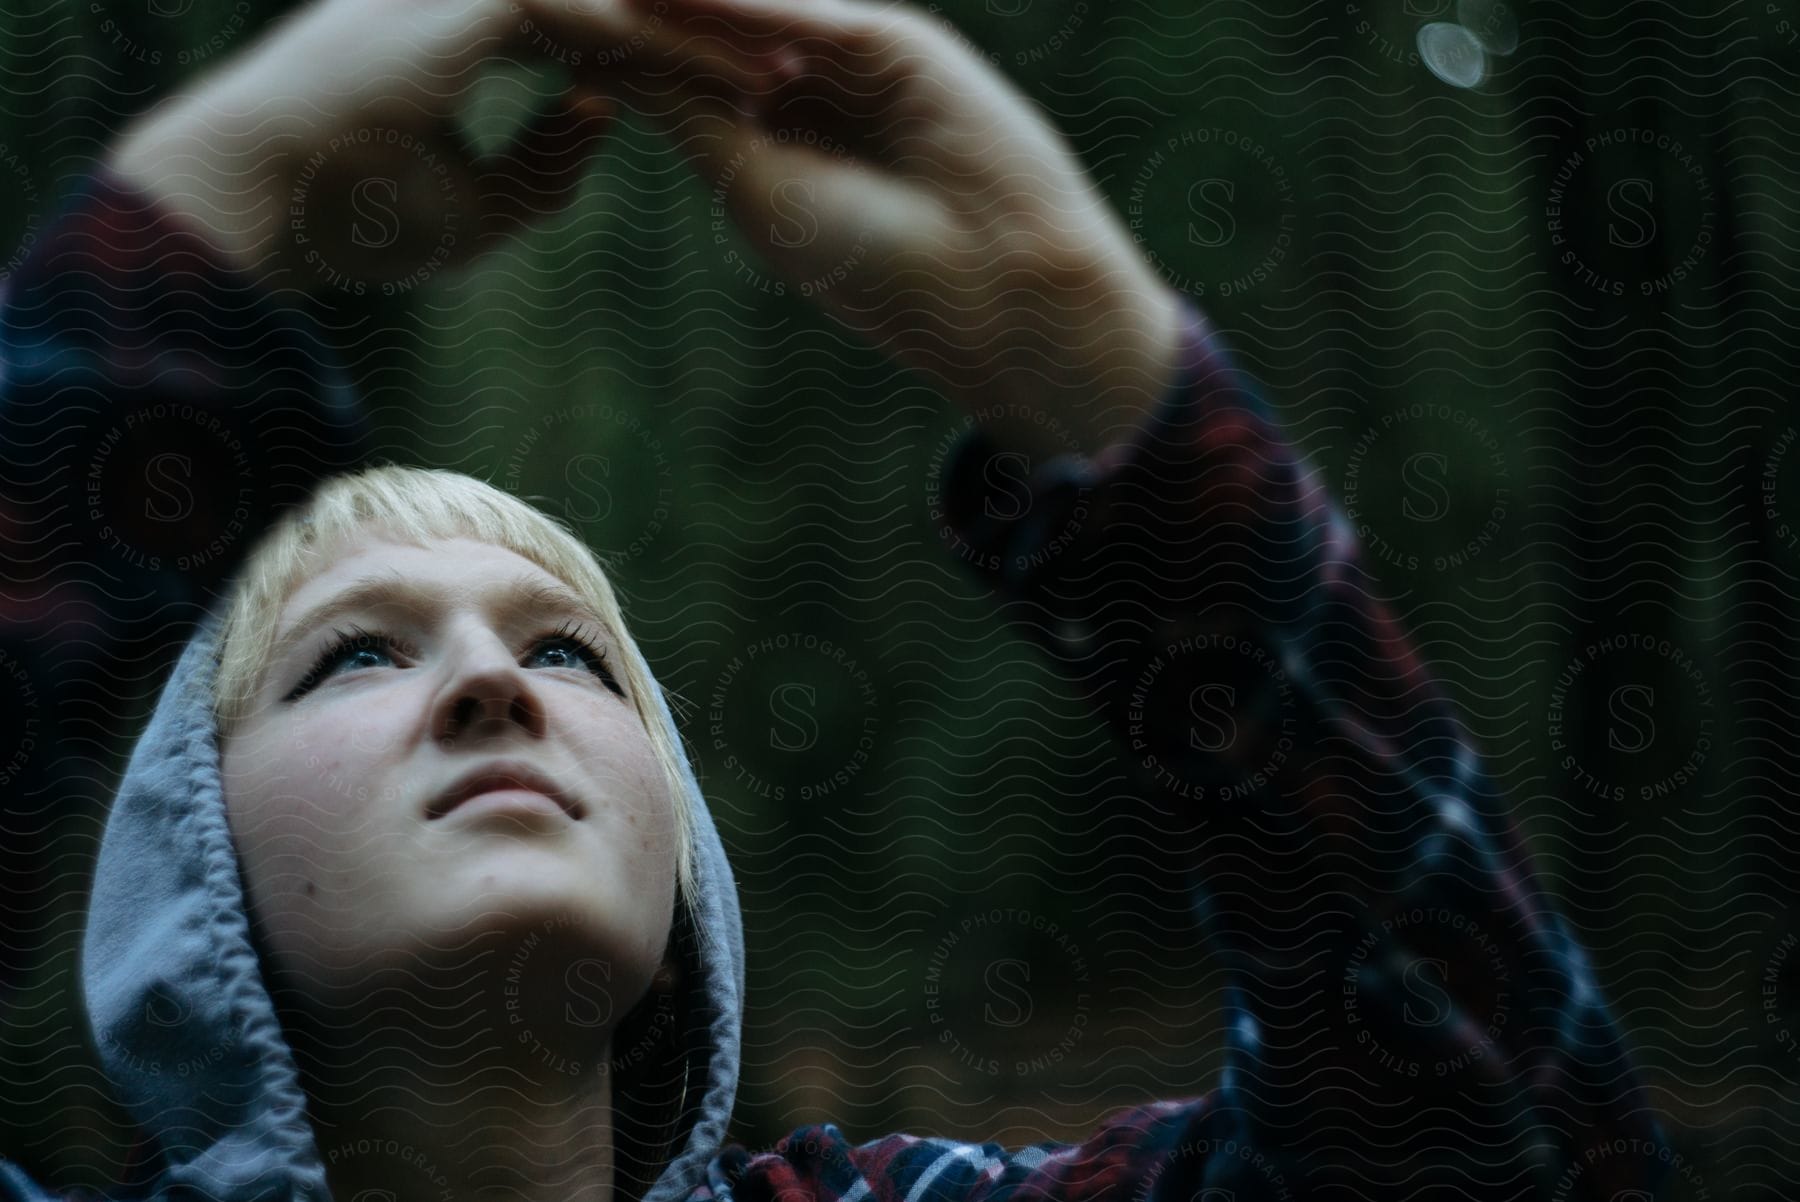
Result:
[[493, 1140], [465, 1082]]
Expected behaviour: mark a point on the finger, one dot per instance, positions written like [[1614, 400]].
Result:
[[682, 93], [673, 58], [759, 164], [709, 125], [852, 45], [771, 26], [802, 199], [599, 39], [540, 173]]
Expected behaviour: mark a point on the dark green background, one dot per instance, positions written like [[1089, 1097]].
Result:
[[1630, 449]]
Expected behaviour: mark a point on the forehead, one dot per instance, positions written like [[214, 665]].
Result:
[[453, 568]]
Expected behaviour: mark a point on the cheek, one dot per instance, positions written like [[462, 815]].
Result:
[[621, 762], [303, 801]]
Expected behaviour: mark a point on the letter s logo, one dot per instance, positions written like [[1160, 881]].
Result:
[[1006, 476], [1007, 981], [1427, 497], [792, 200], [174, 501], [165, 1009], [586, 477], [1428, 992], [1221, 729], [795, 703], [1203, 198], [1630, 200], [1619, 705], [588, 981], [366, 201]]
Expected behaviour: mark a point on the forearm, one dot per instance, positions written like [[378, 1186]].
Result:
[[333, 149], [1052, 369], [1349, 853], [125, 335], [204, 176], [213, 156]]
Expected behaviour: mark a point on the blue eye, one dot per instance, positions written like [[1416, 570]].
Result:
[[567, 647], [347, 646], [572, 645]]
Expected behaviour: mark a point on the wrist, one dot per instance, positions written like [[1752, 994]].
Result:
[[1079, 372], [208, 178]]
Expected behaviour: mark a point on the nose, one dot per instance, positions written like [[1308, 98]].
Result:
[[486, 694]]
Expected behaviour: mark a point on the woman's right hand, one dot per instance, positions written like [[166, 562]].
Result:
[[333, 147]]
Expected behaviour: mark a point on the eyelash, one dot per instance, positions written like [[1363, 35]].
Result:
[[356, 638]]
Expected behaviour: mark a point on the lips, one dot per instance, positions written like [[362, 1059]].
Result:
[[507, 774]]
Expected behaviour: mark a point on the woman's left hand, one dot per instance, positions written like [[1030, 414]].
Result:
[[886, 171]]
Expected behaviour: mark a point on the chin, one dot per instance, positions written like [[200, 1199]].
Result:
[[522, 904], [557, 942], [515, 890]]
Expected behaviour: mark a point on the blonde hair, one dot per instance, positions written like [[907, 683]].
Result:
[[417, 505]]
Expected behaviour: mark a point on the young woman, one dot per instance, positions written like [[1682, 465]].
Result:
[[409, 891]]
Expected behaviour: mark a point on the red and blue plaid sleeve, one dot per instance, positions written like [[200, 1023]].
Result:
[[1169, 1151], [156, 408], [1409, 1011], [156, 405]]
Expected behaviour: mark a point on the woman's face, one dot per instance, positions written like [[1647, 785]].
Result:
[[461, 656]]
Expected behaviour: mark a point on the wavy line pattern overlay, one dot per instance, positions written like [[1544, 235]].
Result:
[[1513, 275]]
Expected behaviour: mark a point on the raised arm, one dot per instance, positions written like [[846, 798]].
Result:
[[330, 158], [1408, 1015], [1409, 1006], [1410, 1010], [165, 385]]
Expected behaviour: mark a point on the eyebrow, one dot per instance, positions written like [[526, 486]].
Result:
[[524, 593]]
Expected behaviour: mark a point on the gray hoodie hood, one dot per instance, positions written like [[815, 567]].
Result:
[[186, 1029]]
